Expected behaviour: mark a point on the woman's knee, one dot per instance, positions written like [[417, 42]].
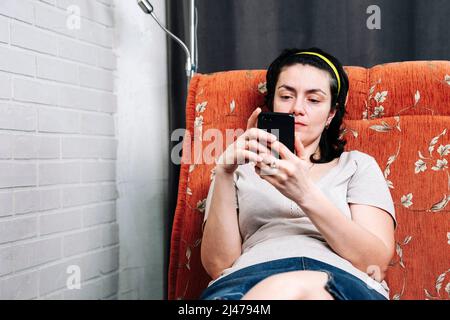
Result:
[[311, 284], [300, 285]]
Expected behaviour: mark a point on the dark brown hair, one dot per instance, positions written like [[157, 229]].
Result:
[[331, 144]]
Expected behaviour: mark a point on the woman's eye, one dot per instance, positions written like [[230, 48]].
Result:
[[285, 97], [314, 100]]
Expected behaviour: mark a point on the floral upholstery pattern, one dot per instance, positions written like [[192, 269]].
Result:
[[397, 112]]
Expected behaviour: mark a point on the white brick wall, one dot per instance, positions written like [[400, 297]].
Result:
[[4, 30], [57, 150], [32, 38], [16, 61], [5, 86]]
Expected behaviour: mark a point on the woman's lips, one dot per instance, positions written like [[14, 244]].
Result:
[[300, 124]]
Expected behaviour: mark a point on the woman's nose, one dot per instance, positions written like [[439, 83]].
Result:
[[298, 108]]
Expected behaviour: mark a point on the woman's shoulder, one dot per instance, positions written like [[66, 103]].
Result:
[[359, 156], [361, 162], [356, 160]]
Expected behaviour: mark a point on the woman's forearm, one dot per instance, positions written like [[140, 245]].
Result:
[[221, 242], [348, 239]]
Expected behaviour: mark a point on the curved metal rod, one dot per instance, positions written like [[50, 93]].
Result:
[[172, 35], [148, 8]]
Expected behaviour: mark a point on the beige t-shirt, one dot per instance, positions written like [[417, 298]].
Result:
[[274, 227]]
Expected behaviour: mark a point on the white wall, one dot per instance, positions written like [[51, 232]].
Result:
[[71, 116], [142, 175], [57, 150]]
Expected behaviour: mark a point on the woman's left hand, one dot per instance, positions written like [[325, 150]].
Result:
[[290, 174]]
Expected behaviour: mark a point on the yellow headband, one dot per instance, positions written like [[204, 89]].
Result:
[[329, 63]]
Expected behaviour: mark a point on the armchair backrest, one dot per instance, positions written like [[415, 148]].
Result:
[[398, 112]]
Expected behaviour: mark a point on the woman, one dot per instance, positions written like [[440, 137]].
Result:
[[321, 224]]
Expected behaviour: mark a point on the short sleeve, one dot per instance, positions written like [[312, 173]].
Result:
[[368, 186], [209, 196]]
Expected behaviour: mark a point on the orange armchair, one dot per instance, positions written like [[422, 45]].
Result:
[[398, 112]]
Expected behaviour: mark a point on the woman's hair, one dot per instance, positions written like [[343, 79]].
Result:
[[331, 145]]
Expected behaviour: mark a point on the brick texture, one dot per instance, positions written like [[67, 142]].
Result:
[[57, 150]]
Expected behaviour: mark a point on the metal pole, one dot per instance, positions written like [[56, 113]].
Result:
[[190, 66], [192, 42]]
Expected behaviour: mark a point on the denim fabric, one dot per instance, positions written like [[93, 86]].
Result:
[[341, 285]]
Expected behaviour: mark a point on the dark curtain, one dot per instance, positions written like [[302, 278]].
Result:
[[249, 34], [177, 17]]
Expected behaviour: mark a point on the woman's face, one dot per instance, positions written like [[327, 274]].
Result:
[[304, 91]]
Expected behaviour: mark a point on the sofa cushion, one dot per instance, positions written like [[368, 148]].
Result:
[[397, 112]]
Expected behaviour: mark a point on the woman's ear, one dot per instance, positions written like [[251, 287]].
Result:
[[331, 115]]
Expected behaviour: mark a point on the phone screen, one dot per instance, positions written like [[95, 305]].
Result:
[[281, 125]]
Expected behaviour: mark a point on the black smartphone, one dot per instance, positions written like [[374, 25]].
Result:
[[281, 125]]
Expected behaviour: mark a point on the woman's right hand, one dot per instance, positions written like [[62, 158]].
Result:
[[248, 147]]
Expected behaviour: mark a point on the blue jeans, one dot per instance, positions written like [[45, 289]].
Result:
[[341, 284]]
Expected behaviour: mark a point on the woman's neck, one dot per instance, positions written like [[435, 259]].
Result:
[[312, 148]]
